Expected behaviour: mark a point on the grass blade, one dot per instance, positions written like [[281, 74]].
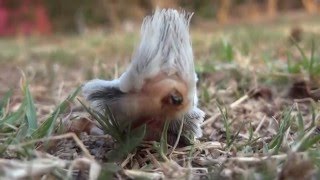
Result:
[[47, 126], [276, 142], [236, 135], [132, 140], [312, 59], [5, 144], [227, 50], [113, 120], [164, 139], [4, 101], [225, 124], [12, 119], [303, 142], [304, 57], [30, 110], [107, 125], [301, 131]]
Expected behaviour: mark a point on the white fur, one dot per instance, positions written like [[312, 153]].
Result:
[[97, 84], [94, 86], [197, 121], [165, 46]]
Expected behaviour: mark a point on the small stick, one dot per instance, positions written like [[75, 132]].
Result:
[[239, 101], [260, 124], [127, 160], [154, 161], [279, 157], [212, 119]]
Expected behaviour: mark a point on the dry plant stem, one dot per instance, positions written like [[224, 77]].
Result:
[[62, 136], [12, 127], [153, 159], [178, 138], [260, 124], [239, 101], [65, 119], [25, 169], [180, 153], [201, 146], [76, 163], [212, 119], [60, 91], [41, 154], [315, 91], [127, 160], [142, 174], [279, 157], [304, 100], [94, 167]]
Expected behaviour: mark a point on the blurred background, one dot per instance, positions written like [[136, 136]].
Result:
[[46, 16]]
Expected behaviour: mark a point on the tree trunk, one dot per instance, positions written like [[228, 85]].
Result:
[[272, 8], [311, 6], [223, 11]]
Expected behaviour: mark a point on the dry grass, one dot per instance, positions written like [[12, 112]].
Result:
[[260, 92]]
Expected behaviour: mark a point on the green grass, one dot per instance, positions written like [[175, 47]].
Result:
[[245, 137]]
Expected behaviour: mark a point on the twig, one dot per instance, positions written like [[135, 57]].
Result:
[[255, 159], [205, 145], [154, 161], [260, 125], [279, 157], [127, 160], [304, 100], [212, 119], [143, 175], [239, 101]]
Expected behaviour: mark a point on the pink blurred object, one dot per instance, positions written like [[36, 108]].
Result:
[[23, 17], [4, 17]]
